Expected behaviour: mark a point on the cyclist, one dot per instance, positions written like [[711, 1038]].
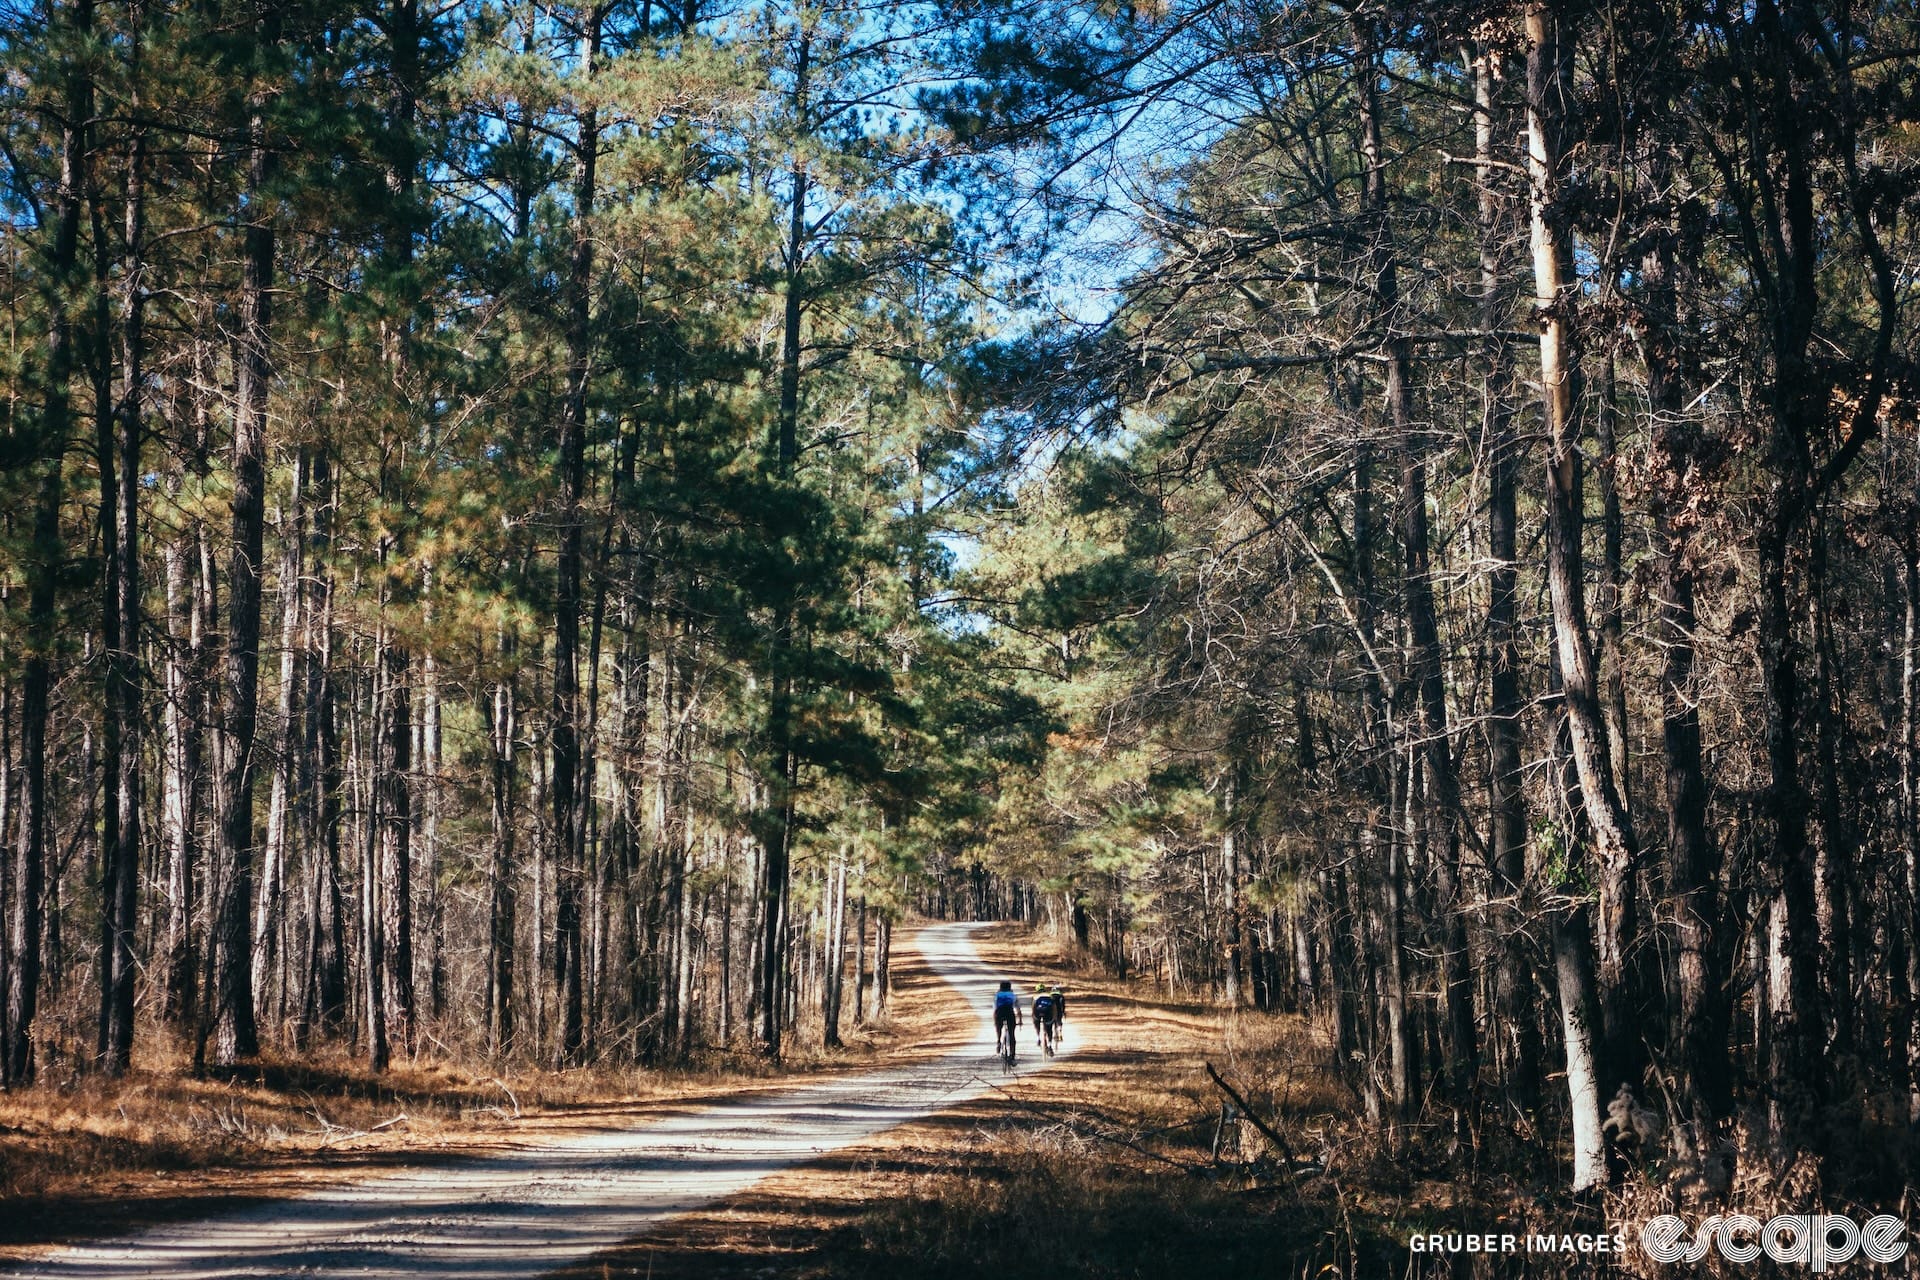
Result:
[[1006, 1014], [1059, 1012], [1044, 1020]]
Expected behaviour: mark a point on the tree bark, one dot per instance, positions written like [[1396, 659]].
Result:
[[567, 783], [374, 951], [1427, 670], [269, 913], [1506, 869], [1611, 596], [836, 948], [327, 968], [503, 899], [781, 762], [1693, 856], [1555, 294], [182, 787], [120, 491], [393, 754], [236, 1036]]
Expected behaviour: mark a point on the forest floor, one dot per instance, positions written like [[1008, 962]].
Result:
[[1113, 1162]]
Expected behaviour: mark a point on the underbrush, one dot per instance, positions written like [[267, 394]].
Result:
[[1039, 1202], [1134, 1173]]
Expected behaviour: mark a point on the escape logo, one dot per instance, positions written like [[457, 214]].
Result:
[[1819, 1241]]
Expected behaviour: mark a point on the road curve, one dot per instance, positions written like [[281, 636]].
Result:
[[520, 1215]]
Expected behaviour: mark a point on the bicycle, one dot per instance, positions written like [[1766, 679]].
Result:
[[1049, 1038], [1008, 1046]]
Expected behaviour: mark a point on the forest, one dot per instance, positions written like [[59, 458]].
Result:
[[542, 532]]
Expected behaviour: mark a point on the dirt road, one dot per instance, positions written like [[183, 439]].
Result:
[[520, 1215]]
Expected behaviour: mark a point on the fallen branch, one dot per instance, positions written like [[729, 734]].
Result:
[[1266, 1131], [1093, 1132], [510, 1098], [388, 1124]]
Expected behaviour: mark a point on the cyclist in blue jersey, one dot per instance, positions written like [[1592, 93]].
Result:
[[1006, 1019]]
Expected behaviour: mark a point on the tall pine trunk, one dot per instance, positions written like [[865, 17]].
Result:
[[235, 1034], [120, 489], [270, 912], [568, 782], [502, 718]]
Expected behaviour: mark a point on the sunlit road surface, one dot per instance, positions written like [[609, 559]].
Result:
[[541, 1208]]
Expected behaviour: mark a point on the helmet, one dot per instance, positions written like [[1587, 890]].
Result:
[[1006, 984], [1056, 991], [1039, 989]]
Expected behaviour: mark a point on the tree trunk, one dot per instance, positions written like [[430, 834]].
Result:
[[393, 756], [235, 1032], [1403, 1056], [781, 762], [1798, 398], [1574, 964], [836, 948], [1611, 596], [860, 964], [1838, 841], [1232, 870], [30, 859], [328, 971], [1555, 294], [567, 782], [1693, 856], [1506, 869], [427, 812], [503, 898], [182, 787], [120, 492], [374, 951], [1425, 660], [269, 915]]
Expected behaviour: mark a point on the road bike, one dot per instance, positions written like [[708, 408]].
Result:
[[1008, 1044], [1049, 1038]]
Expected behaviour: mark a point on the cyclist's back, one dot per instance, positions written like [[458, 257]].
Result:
[[1044, 1017], [1006, 1008]]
